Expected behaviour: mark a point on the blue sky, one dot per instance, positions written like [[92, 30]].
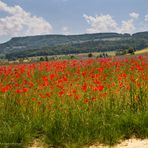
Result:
[[35, 17]]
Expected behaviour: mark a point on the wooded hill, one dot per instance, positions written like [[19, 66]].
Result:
[[20, 47]]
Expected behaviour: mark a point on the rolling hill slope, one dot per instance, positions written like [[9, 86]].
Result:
[[65, 44]]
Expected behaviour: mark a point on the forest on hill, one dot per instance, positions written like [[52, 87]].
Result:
[[44, 45]]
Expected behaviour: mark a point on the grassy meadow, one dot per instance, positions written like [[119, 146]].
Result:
[[71, 103]]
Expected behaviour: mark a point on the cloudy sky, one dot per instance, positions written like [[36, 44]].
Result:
[[35, 17]]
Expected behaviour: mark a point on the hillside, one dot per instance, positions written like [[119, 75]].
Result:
[[65, 44]]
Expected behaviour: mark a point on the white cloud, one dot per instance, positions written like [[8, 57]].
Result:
[[134, 15], [146, 18], [20, 23], [102, 23], [127, 26], [65, 30], [105, 23]]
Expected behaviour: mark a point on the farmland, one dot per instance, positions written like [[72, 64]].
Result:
[[74, 102], [145, 50]]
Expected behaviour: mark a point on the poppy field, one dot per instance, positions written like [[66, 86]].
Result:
[[74, 102]]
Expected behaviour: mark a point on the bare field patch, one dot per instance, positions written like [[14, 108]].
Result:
[[142, 51]]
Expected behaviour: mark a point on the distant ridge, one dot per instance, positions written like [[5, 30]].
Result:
[[65, 44]]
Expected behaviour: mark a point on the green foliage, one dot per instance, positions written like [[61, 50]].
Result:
[[72, 57], [131, 51], [41, 59], [46, 58], [90, 55]]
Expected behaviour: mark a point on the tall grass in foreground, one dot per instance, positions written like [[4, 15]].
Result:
[[74, 102]]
